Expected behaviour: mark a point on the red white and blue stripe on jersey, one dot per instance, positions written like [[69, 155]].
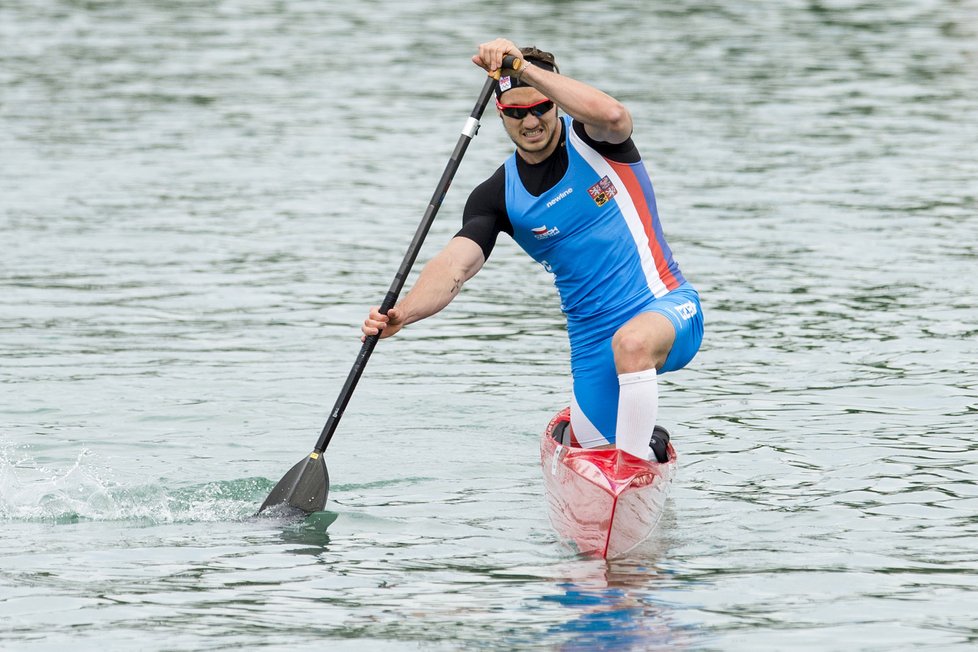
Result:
[[598, 231]]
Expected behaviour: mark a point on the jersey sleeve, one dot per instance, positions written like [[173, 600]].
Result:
[[485, 216], [624, 152]]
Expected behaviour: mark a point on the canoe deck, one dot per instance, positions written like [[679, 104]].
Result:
[[606, 502]]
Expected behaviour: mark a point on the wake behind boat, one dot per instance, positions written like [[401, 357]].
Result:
[[606, 501]]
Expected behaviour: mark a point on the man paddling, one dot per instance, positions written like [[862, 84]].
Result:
[[577, 198]]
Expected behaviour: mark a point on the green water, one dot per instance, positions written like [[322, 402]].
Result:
[[199, 201]]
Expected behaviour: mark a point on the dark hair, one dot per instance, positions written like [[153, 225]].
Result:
[[531, 53]]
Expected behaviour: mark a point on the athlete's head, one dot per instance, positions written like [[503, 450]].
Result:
[[528, 116]]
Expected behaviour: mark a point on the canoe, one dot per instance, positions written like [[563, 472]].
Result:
[[606, 502]]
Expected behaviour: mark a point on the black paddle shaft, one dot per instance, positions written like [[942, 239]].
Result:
[[468, 132]]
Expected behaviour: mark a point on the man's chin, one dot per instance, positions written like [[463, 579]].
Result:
[[535, 145]]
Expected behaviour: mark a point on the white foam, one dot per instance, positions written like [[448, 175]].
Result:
[[83, 489]]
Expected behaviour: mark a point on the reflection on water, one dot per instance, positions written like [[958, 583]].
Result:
[[608, 619], [310, 531], [199, 201], [616, 606]]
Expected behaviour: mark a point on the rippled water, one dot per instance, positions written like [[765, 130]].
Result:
[[198, 201]]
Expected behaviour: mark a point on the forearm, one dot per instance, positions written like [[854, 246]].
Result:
[[435, 288], [606, 118], [441, 280]]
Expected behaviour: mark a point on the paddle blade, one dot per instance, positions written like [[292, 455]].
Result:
[[304, 487]]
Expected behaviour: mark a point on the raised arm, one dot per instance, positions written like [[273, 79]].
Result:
[[440, 281], [605, 119]]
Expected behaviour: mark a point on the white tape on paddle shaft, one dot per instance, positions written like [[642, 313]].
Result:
[[471, 127]]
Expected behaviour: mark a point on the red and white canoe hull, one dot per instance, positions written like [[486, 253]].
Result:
[[607, 502]]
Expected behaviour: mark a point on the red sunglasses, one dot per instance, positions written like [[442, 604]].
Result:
[[519, 111]]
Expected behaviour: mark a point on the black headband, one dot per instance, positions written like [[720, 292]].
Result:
[[509, 82]]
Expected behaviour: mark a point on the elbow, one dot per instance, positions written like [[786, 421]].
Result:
[[464, 258], [470, 268], [619, 120]]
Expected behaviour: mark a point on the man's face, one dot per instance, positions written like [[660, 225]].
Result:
[[535, 136]]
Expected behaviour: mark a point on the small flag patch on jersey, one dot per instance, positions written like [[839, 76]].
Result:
[[602, 191], [542, 232]]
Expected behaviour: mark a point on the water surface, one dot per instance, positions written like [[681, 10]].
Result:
[[198, 202]]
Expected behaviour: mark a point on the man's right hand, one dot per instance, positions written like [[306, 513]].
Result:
[[386, 325]]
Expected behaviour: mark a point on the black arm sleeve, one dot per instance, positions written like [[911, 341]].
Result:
[[485, 213]]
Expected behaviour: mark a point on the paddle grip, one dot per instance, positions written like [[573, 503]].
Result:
[[509, 61]]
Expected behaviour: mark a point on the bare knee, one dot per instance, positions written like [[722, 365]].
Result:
[[634, 351], [643, 343]]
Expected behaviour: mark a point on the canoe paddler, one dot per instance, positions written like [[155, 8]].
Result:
[[576, 196]]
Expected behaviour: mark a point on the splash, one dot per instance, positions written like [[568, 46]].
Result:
[[84, 491]]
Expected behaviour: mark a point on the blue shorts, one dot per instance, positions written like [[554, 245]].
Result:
[[594, 410]]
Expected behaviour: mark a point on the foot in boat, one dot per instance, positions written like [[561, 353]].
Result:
[[659, 444], [561, 433]]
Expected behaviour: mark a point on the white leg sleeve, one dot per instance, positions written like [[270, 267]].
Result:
[[638, 408]]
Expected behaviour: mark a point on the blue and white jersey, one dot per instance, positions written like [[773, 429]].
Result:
[[597, 231]]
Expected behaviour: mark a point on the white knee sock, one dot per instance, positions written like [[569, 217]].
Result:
[[638, 407]]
